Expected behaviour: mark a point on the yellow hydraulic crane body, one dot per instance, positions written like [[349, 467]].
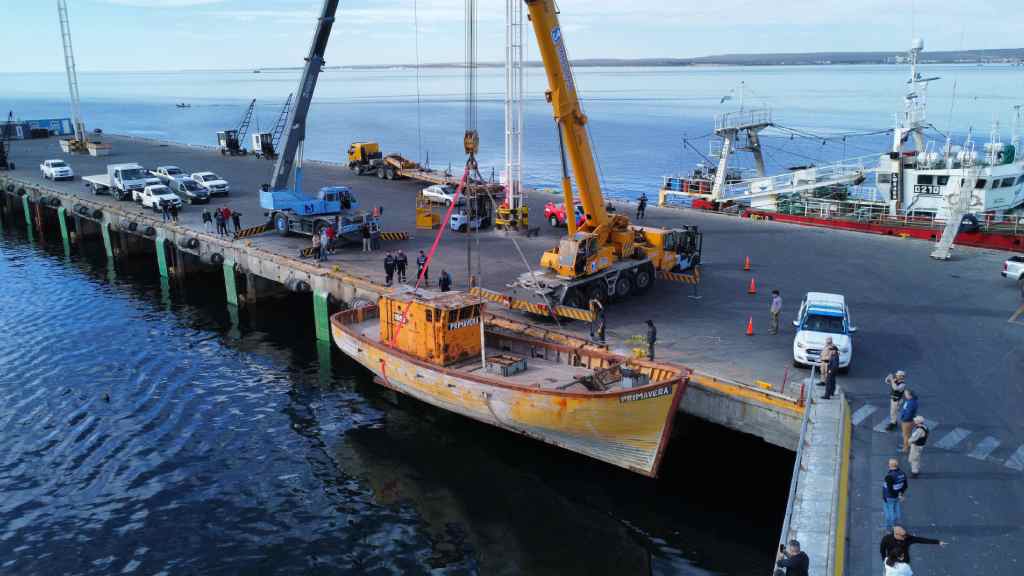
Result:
[[602, 239]]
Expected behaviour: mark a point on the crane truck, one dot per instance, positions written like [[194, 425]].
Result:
[[288, 209], [605, 257]]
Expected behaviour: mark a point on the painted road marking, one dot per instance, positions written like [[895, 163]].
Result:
[[880, 427], [1016, 315], [1016, 460], [862, 413], [949, 441], [984, 448], [931, 425]]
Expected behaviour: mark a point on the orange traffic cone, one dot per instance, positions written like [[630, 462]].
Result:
[[746, 264], [752, 289], [750, 326]]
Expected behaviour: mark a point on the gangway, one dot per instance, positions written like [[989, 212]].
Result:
[[959, 205]]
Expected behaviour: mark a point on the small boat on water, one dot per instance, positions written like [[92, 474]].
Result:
[[445, 349], [183, 105]]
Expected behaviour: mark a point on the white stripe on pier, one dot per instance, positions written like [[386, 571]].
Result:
[[1016, 460], [984, 448], [862, 413], [956, 436]]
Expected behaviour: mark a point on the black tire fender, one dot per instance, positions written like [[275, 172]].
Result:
[[97, 213], [150, 231], [217, 258]]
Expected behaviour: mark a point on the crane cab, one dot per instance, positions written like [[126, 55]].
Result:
[[675, 250], [439, 327], [579, 255]]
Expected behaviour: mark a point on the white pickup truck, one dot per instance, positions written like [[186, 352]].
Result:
[[1013, 269], [56, 170], [214, 184], [154, 196], [168, 173]]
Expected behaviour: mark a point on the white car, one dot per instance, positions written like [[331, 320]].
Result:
[[153, 196], [214, 184], [439, 194], [168, 173], [822, 316], [1013, 270], [56, 170]]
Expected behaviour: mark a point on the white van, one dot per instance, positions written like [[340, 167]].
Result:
[[822, 316]]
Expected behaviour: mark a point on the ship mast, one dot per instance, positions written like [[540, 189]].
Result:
[[915, 103]]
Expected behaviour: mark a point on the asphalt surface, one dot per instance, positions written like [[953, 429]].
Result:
[[947, 324]]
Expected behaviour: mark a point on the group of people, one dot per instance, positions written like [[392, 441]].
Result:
[[222, 216], [169, 211], [397, 262]]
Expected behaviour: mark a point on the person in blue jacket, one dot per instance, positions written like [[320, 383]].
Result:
[[894, 487], [908, 410]]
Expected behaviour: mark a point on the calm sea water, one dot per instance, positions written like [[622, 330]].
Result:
[[639, 116], [146, 428]]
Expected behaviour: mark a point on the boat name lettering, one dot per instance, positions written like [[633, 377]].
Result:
[[462, 323], [647, 395], [894, 186], [928, 190], [399, 317]]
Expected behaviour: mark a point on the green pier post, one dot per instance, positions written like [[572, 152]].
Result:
[[161, 255], [321, 315], [323, 354], [65, 237], [105, 232], [229, 283], [28, 213]]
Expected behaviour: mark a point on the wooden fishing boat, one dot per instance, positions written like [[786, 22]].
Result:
[[445, 349]]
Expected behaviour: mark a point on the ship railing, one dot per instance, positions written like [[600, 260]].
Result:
[[806, 179], [743, 118]]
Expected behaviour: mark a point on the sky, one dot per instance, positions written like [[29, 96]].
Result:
[[129, 35]]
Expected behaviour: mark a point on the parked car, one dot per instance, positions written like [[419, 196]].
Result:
[[555, 214], [190, 190], [822, 316], [56, 170], [153, 196], [461, 222], [213, 183], [167, 174], [1013, 269], [439, 194]]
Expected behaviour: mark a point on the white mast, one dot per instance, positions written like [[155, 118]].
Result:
[[514, 106], [69, 64], [915, 103]]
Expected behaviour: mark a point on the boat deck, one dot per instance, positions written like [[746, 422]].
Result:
[[541, 371]]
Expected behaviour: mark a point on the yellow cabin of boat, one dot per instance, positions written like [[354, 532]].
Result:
[[439, 327]]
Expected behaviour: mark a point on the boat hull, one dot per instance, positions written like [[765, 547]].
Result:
[[626, 427]]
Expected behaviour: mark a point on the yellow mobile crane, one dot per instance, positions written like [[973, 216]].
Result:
[[605, 257]]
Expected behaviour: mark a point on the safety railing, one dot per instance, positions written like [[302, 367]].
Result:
[[791, 498], [743, 118]]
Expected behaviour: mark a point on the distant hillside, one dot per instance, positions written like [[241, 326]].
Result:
[[1003, 56]]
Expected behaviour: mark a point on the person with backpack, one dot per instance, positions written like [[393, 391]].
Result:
[[918, 438], [207, 220], [218, 215]]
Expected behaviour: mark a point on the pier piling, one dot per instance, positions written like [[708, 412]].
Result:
[[230, 286], [321, 313]]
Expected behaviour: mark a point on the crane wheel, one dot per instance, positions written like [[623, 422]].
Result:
[[623, 286], [644, 279], [597, 290], [574, 299], [281, 224]]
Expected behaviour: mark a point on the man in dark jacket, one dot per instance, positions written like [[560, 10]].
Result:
[[652, 337], [401, 262], [445, 283], [908, 410], [421, 268], [900, 540], [389, 268], [794, 560], [833, 369], [893, 489]]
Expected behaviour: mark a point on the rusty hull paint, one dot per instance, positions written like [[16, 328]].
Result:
[[629, 434]]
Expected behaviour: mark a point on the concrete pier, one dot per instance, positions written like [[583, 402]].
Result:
[[945, 323]]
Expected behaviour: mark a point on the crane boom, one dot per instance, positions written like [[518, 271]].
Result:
[[569, 116], [295, 132]]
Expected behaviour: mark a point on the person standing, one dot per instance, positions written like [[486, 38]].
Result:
[[823, 358], [316, 246], [174, 212], [793, 560], [389, 268], [918, 438], [832, 369], [365, 231], [894, 489], [899, 541], [165, 210], [401, 263], [207, 220], [897, 384], [221, 228], [597, 321], [445, 282], [323, 244], [421, 268], [331, 238], [641, 206], [775, 309], [652, 337], [227, 217], [908, 410], [236, 221]]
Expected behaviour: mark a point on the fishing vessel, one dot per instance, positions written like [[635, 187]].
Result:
[[971, 193], [446, 349]]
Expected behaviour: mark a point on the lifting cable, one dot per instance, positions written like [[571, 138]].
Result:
[[419, 126]]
